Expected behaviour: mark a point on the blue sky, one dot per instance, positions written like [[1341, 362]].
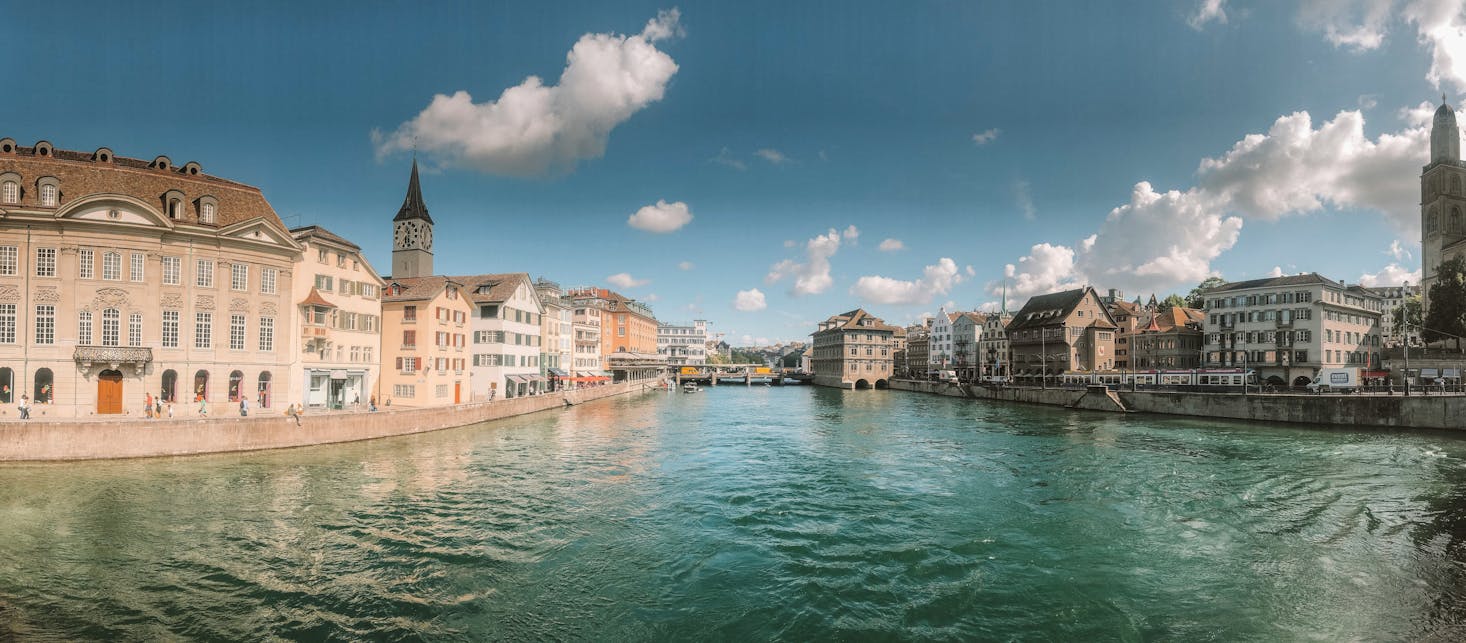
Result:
[[989, 138]]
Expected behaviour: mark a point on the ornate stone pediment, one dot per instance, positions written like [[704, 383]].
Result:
[[9, 293], [47, 295], [109, 298], [172, 300], [89, 358], [239, 305], [204, 302], [268, 308]]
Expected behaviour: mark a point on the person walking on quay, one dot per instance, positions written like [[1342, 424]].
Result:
[[372, 404], [148, 406], [203, 405], [243, 407], [24, 407], [158, 407]]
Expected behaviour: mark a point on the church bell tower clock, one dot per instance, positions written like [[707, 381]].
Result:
[[412, 234]]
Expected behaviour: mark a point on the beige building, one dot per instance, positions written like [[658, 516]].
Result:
[[339, 322], [853, 350], [1062, 332], [1171, 339], [121, 277], [992, 346], [556, 332], [424, 342]]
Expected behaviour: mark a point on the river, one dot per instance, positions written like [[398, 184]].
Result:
[[757, 513]]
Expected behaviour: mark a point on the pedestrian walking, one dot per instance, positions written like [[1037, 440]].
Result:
[[203, 405], [243, 407], [170, 408], [24, 407], [158, 407], [148, 406], [372, 405]]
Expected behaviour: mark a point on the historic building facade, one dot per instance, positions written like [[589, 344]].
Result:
[[424, 342], [556, 351], [121, 277], [853, 350], [627, 325], [338, 322], [1286, 328], [1063, 332], [685, 343], [506, 335]]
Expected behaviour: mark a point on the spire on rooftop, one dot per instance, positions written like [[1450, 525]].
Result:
[[413, 206]]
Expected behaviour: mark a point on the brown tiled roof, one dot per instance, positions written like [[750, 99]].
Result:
[[315, 299], [500, 287], [304, 232], [851, 321], [1053, 308], [1289, 280], [81, 176], [1125, 308], [417, 288]]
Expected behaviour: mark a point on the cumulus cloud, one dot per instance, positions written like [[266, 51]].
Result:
[[986, 136], [625, 280], [772, 156], [1364, 25], [811, 277], [936, 279], [534, 129], [891, 245], [1046, 268], [661, 217], [1392, 275], [1208, 11], [686, 265], [851, 233], [750, 301], [1399, 251], [1277, 271]]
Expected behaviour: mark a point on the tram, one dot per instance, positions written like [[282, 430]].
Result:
[[1220, 377]]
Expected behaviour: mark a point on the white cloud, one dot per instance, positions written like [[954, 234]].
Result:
[[1024, 199], [1208, 11], [892, 245], [533, 129], [987, 136], [661, 218], [1158, 240], [725, 157], [813, 276], [625, 280], [1367, 102], [937, 279], [749, 301], [1399, 252], [1364, 25], [1277, 271], [1047, 268], [772, 155], [851, 233], [1392, 275], [686, 265]]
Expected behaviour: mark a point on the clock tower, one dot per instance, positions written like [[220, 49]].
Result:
[[412, 234]]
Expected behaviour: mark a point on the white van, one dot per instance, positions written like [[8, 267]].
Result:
[[1335, 380]]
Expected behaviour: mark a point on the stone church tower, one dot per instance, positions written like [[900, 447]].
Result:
[[1442, 201], [412, 234]]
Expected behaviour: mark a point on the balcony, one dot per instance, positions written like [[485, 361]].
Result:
[[1284, 323], [314, 332], [112, 357]]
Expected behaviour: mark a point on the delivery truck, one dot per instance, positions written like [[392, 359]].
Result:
[[1335, 380]]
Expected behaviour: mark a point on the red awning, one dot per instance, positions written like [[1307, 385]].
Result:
[[1376, 373]]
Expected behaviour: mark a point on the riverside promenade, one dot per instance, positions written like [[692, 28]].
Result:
[[56, 440], [1434, 411]]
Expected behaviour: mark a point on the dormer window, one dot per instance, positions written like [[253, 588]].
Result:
[[48, 196], [10, 192], [208, 210], [173, 204], [43, 148]]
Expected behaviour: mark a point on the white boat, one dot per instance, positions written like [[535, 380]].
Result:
[[690, 388]]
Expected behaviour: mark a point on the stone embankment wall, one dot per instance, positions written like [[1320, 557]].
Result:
[[1416, 411], [93, 440]]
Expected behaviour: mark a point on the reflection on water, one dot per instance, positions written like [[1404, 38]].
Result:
[[741, 513]]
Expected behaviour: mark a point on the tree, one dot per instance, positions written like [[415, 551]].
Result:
[[1407, 315], [1446, 318], [1174, 300], [1195, 298]]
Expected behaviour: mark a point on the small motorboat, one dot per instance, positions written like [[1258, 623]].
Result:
[[690, 388]]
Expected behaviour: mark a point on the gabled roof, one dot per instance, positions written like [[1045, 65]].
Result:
[[1054, 308], [413, 206], [417, 288], [853, 320], [494, 288], [1126, 308], [315, 299], [305, 233]]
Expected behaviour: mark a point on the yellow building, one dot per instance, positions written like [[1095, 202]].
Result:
[[424, 342]]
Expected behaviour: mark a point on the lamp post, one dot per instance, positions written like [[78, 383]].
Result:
[[1407, 355], [1043, 358]]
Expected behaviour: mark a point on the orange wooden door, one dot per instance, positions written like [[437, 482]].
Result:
[[109, 392], [457, 392]]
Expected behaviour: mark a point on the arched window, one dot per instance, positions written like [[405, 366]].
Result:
[[236, 380], [206, 212], [11, 192], [7, 385], [1431, 223], [1453, 225], [111, 322], [44, 392], [201, 385], [175, 208], [48, 195], [170, 386], [262, 397], [84, 328]]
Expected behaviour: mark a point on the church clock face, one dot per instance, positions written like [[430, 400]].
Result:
[[427, 238], [400, 239]]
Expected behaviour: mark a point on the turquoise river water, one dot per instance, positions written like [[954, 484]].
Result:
[[751, 514]]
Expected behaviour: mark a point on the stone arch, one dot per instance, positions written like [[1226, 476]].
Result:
[[1302, 380], [862, 384], [882, 385], [169, 388]]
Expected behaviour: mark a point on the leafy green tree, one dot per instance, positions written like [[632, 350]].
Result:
[[1195, 298], [1172, 301], [1446, 318]]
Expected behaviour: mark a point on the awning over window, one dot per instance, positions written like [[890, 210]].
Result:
[[1451, 372], [558, 373], [1429, 372]]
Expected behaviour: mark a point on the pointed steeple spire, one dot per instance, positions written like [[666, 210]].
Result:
[[412, 206]]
